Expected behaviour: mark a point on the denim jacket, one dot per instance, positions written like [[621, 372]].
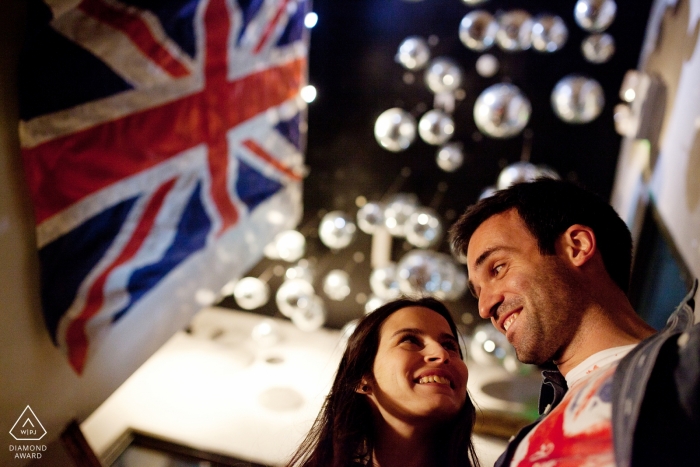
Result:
[[656, 397]]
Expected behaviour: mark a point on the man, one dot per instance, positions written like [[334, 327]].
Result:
[[549, 263]]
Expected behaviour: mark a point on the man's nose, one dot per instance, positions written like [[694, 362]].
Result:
[[489, 301]]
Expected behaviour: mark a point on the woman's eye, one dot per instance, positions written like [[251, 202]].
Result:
[[451, 345], [410, 339]]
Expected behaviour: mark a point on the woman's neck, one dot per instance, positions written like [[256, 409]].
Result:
[[403, 445]]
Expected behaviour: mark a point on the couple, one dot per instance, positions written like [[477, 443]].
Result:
[[549, 264]]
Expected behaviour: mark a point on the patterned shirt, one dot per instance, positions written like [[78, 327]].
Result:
[[578, 432]]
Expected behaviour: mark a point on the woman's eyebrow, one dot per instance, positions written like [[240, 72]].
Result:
[[443, 335]]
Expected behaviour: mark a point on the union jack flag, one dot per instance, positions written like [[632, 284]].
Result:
[[162, 142]]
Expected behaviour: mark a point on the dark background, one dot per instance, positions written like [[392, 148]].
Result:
[[353, 68]]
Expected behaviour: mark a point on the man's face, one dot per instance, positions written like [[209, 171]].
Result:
[[528, 296]]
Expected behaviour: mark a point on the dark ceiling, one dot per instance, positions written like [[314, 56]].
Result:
[[353, 68]]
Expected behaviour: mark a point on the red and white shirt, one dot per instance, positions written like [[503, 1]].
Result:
[[578, 432]]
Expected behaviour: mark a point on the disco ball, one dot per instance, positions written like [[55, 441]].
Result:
[[373, 303], [288, 245], [336, 285], [418, 273], [487, 65], [424, 228], [395, 129], [443, 75], [450, 157], [598, 48], [266, 333], [577, 99], [549, 33], [488, 347], [516, 173], [312, 317], [514, 30], [370, 217], [301, 270], [488, 191], [595, 15], [501, 111], [251, 293], [473, 2], [436, 127], [397, 211], [413, 53], [293, 295], [383, 282], [336, 230], [477, 30]]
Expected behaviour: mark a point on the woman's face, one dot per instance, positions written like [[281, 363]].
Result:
[[419, 377]]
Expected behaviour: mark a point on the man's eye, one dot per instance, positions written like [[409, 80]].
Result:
[[496, 269]]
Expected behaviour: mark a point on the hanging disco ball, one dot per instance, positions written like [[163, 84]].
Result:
[[477, 30], [577, 99], [293, 295], [514, 30], [413, 53], [310, 318], [443, 75], [398, 209], [487, 65], [373, 303], [598, 48], [288, 245], [336, 285], [395, 129], [336, 230], [516, 173], [549, 33], [383, 282], [595, 15], [502, 111], [450, 157], [419, 273], [424, 228], [301, 270], [370, 217], [436, 127], [544, 171], [251, 293], [488, 191], [455, 281], [266, 333]]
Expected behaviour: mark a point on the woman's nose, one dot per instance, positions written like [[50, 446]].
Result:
[[437, 353]]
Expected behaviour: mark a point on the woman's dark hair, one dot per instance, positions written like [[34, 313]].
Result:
[[343, 433], [549, 207]]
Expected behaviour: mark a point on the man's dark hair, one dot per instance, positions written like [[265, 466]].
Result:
[[549, 207]]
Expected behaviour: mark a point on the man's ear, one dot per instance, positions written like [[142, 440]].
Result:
[[579, 244], [364, 387]]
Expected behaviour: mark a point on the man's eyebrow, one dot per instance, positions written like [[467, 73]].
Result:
[[484, 256]]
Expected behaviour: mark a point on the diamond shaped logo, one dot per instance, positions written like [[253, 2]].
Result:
[[28, 427]]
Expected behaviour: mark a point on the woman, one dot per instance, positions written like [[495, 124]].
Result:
[[399, 397]]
